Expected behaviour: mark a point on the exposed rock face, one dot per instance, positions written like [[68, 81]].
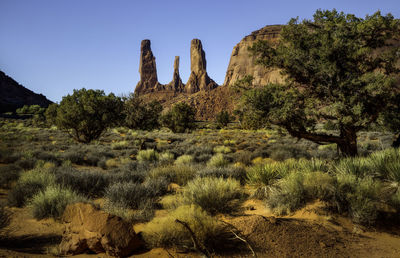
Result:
[[198, 79], [176, 84], [13, 95], [147, 69], [242, 63], [92, 230]]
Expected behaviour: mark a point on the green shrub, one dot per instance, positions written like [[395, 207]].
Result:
[[184, 160], [179, 174], [52, 202], [88, 183], [133, 195], [166, 232], [237, 173], [215, 195], [30, 183], [319, 185], [8, 175], [88, 113], [288, 195], [22, 192], [166, 158], [222, 119], [4, 217], [180, 118], [147, 155], [222, 149], [141, 115], [266, 174], [359, 167], [218, 160]]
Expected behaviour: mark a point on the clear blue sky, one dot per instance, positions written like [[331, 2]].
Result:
[[55, 46]]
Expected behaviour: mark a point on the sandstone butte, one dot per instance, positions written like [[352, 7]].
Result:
[[200, 90]]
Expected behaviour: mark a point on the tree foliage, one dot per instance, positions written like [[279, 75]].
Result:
[[180, 118], [223, 118], [51, 114], [86, 114], [141, 115], [339, 69]]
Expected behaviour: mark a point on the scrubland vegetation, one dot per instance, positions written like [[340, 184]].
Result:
[[135, 160], [195, 176]]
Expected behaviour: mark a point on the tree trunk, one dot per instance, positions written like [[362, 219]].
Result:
[[396, 143], [348, 146]]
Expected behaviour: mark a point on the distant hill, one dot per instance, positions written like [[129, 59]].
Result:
[[13, 95]]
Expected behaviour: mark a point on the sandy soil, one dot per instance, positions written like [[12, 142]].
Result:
[[310, 232]]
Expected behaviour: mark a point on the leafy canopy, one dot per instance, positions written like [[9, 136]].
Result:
[[141, 115], [86, 114], [338, 68], [180, 118]]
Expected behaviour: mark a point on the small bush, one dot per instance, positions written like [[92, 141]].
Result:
[[166, 158], [133, 195], [52, 202], [180, 118], [288, 195], [222, 149], [319, 185], [218, 160], [184, 160], [4, 217], [179, 174], [214, 194], [264, 174], [88, 183], [8, 175], [237, 173], [30, 183], [166, 232], [147, 156]]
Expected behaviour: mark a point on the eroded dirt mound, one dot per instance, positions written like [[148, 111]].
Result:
[[281, 237]]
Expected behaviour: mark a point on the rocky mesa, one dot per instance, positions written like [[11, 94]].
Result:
[[200, 90]]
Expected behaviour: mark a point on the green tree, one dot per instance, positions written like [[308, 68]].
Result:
[[338, 68], [391, 120], [86, 114], [51, 114], [141, 115], [180, 118], [223, 118]]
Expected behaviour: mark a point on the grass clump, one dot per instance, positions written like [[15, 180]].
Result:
[[215, 195], [218, 160], [89, 183], [179, 174], [4, 217], [184, 160], [287, 195], [222, 149], [237, 173], [166, 232], [30, 183], [8, 175], [148, 155], [52, 202], [133, 195]]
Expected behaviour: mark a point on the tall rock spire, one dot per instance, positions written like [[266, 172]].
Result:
[[198, 79], [176, 84], [147, 69]]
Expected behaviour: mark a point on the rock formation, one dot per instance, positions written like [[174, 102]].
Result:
[[13, 95], [198, 79], [95, 231], [147, 69], [176, 84], [242, 63]]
